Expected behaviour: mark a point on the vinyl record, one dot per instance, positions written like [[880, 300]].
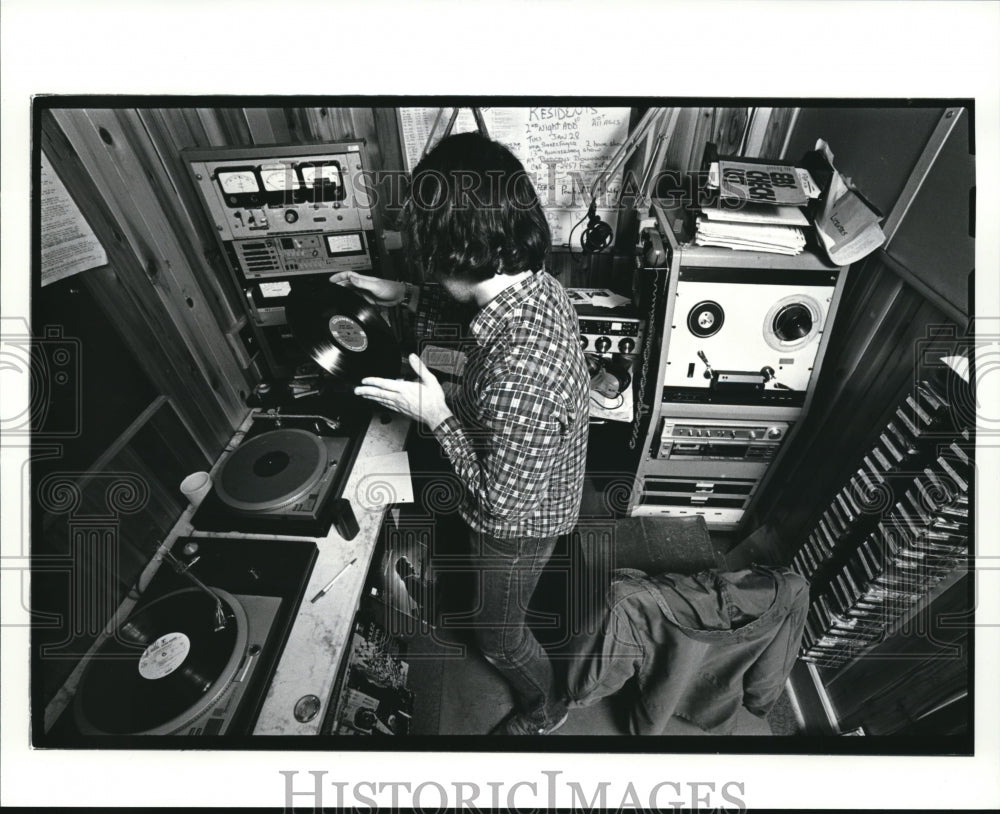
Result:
[[342, 333], [164, 666]]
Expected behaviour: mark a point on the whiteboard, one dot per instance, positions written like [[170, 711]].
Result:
[[563, 149]]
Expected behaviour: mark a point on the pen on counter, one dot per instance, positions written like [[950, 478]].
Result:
[[329, 585]]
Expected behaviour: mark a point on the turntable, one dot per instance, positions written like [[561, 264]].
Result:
[[286, 477], [197, 653], [174, 667]]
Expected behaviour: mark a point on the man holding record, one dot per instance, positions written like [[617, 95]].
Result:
[[515, 428]]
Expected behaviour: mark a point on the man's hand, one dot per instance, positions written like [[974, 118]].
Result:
[[422, 400], [384, 293]]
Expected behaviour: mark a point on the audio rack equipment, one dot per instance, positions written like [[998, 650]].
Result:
[[741, 337], [609, 335], [733, 440], [284, 213], [606, 331]]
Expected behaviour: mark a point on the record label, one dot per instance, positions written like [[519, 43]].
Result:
[[348, 334], [164, 655]]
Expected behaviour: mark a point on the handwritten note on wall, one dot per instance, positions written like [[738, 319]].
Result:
[[563, 148], [69, 245]]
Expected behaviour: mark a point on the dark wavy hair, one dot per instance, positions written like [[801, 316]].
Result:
[[473, 212]]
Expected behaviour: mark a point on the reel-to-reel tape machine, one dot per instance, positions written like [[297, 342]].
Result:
[[741, 344], [745, 336]]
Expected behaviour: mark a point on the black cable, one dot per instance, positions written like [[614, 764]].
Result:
[[621, 401], [569, 241]]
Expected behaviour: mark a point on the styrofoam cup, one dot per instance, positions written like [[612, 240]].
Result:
[[195, 486]]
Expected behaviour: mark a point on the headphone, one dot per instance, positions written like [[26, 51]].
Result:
[[609, 378]]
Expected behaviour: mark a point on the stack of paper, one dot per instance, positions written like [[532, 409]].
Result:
[[599, 297], [744, 219], [749, 236], [758, 213]]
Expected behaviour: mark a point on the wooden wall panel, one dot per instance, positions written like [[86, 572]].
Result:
[[123, 290], [910, 673], [776, 134], [728, 124], [210, 123], [106, 142], [267, 125], [867, 370], [168, 134], [934, 244]]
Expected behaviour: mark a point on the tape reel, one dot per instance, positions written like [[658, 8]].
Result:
[[792, 322], [706, 319]]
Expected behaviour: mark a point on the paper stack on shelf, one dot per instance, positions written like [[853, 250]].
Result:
[[749, 236], [758, 213], [757, 208]]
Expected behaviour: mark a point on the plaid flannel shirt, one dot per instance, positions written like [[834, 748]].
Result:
[[518, 436]]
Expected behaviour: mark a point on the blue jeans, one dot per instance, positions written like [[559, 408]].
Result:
[[508, 573]]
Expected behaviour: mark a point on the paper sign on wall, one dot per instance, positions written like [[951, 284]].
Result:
[[69, 245], [563, 148]]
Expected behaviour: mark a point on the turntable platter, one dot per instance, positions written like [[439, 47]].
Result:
[[163, 667], [272, 470]]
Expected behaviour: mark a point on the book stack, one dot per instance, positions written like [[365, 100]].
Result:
[[758, 208]]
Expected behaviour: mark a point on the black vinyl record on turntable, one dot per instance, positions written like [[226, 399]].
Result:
[[197, 653], [342, 332], [165, 667]]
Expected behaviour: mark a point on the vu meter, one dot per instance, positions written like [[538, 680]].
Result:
[[289, 211], [237, 182], [279, 178]]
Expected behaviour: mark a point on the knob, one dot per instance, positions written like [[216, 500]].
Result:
[[627, 345], [190, 549], [291, 216], [603, 344], [307, 708], [774, 432], [584, 342]]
